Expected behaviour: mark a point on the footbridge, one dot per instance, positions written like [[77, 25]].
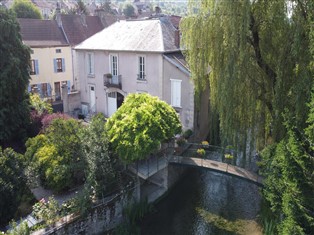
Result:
[[217, 166], [213, 160]]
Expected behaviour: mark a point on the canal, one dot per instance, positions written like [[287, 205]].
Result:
[[206, 202]]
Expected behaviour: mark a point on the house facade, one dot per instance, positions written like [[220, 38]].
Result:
[[51, 60], [52, 56], [136, 56]]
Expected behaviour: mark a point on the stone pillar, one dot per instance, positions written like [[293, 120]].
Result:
[[65, 98]]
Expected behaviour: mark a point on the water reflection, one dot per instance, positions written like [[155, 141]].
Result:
[[205, 202]]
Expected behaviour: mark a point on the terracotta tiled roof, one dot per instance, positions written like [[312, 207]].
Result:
[[150, 35], [175, 20], [79, 27], [37, 33]]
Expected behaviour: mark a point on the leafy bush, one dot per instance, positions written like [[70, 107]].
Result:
[[187, 134], [47, 119], [48, 211], [140, 125], [21, 229], [99, 164], [56, 155]]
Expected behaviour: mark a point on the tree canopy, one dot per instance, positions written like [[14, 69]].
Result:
[[99, 164], [26, 9], [80, 9], [140, 125], [12, 183], [14, 79], [56, 154], [128, 10]]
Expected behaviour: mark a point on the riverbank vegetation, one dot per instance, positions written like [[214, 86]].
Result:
[[257, 57]]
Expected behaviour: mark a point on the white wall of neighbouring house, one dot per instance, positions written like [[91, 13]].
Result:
[[173, 76]]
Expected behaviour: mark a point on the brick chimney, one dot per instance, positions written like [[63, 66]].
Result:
[[157, 10], [101, 14], [58, 15], [177, 38]]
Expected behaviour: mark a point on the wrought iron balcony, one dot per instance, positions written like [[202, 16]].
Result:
[[112, 81]]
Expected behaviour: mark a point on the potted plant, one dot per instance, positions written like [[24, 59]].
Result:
[[205, 144], [228, 158], [187, 134], [201, 152], [180, 143], [109, 75]]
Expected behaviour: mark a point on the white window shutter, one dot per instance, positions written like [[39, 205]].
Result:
[[176, 92]]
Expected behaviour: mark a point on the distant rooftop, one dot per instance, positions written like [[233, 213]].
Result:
[[38, 33], [80, 27], [150, 35]]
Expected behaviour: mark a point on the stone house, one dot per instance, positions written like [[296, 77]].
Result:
[[136, 56]]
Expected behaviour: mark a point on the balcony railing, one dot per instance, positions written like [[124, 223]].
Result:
[[113, 81]]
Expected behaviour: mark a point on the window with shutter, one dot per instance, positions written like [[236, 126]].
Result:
[[90, 63], [59, 65], [114, 65], [175, 92], [33, 67]]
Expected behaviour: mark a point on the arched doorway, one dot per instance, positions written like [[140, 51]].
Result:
[[115, 100]]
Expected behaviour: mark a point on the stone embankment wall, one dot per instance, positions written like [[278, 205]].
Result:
[[109, 213], [175, 173], [103, 217]]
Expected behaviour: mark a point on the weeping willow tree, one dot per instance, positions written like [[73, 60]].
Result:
[[255, 55]]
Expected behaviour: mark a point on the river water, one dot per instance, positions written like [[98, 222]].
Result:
[[206, 202]]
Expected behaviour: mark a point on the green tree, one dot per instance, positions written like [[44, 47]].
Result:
[[100, 166], [26, 9], [12, 183], [140, 125], [14, 79], [128, 10], [56, 155], [106, 6], [80, 9], [40, 105], [39, 110], [258, 56], [290, 165]]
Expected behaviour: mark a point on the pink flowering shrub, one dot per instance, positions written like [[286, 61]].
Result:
[[48, 118]]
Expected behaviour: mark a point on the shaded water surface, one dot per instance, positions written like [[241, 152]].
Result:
[[205, 202]]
